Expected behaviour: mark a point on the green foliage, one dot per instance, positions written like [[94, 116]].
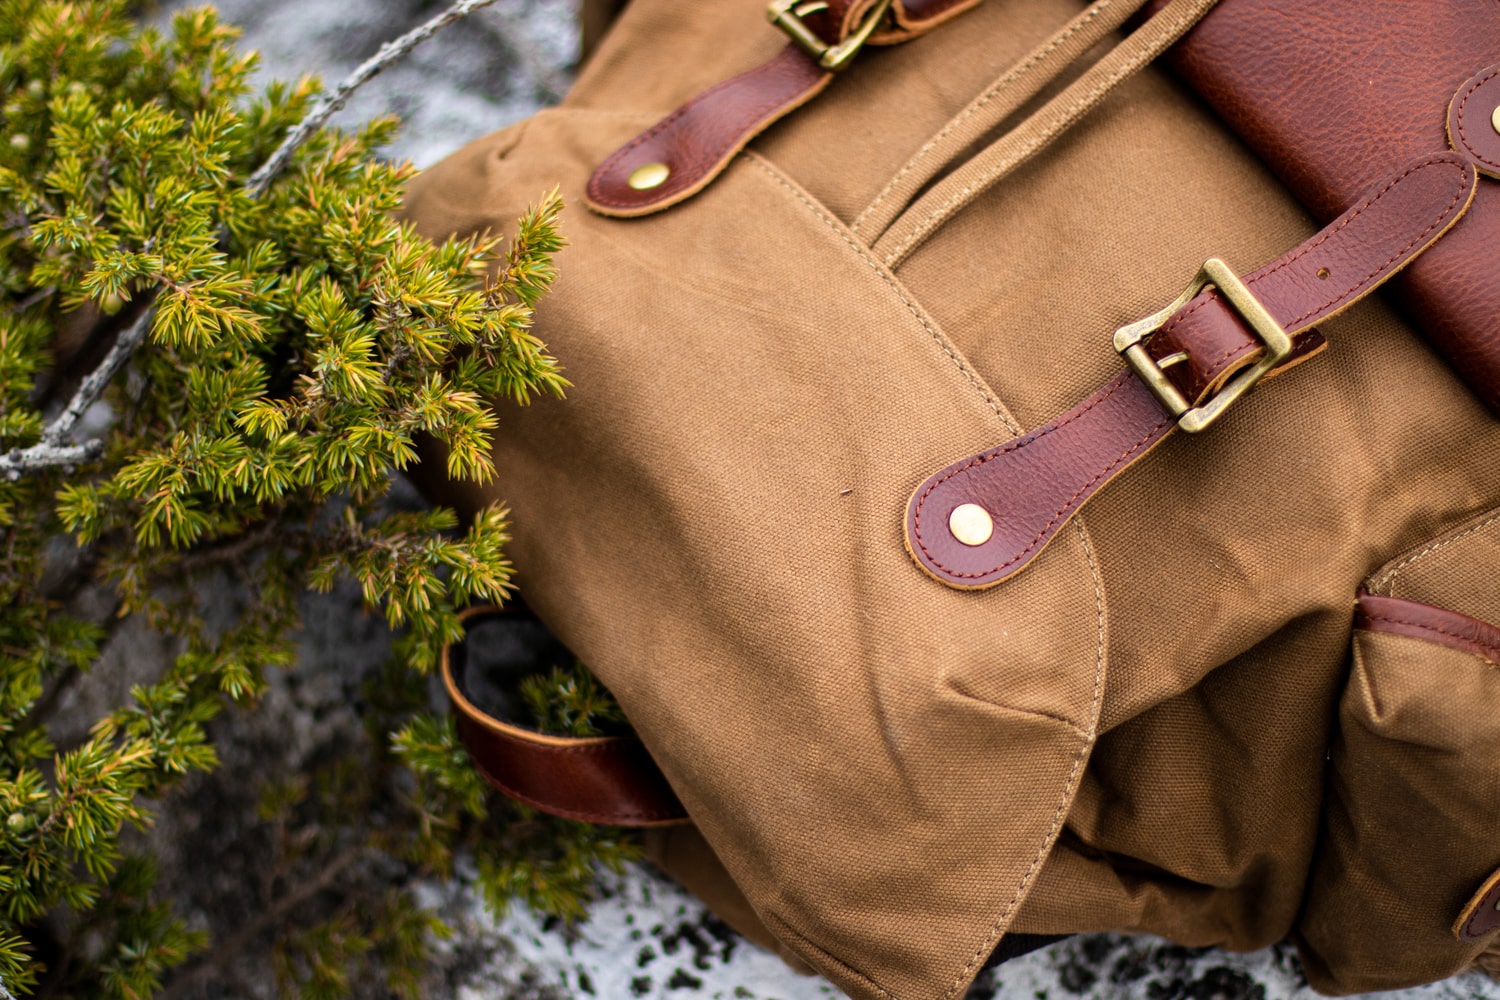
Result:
[[547, 863], [300, 345], [570, 702]]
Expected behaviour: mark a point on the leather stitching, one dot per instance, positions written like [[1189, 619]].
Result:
[[1354, 291], [978, 460], [1492, 650], [1463, 104], [597, 181]]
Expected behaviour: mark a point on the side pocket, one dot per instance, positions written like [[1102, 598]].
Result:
[[1403, 888]]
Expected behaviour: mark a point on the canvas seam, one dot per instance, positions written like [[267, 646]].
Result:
[[1070, 786], [1070, 117], [988, 944], [893, 285], [1016, 73], [1388, 578]]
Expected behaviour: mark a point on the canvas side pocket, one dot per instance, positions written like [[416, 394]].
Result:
[[1404, 886]]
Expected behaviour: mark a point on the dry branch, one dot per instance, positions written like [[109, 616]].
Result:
[[55, 449]]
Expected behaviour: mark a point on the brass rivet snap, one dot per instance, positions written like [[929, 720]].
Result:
[[1495, 119], [648, 176], [971, 524]]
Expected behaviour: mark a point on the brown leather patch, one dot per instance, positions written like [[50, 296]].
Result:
[[1398, 616], [1481, 917], [1474, 120]]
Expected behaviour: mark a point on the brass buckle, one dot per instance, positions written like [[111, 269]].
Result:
[[788, 14], [1130, 341]]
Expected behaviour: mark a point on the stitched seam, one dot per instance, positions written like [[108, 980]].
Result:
[[1014, 446], [1356, 290], [596, 181], [1069, 118], [987, 945], [1016, 73], [1120, 381], [895, 287], [783, 928], [1389, 577], [1213, 368], [585, 817], [1462, 106], [1468, 640]]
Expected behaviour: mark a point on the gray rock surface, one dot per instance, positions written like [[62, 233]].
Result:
[[646, 938]]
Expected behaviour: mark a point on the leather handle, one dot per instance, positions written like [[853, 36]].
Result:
[[597, 779]]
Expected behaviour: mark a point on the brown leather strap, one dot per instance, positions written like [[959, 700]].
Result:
[[604, 779], [1033, 485], [1415, 620], [695, 142]]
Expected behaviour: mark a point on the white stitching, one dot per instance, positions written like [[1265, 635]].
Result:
[[987, 945], [998, 87], [1388, 578], [894, 286]]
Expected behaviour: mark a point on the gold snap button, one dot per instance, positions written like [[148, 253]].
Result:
[[971, 524], [648, 176], [1495, 119]]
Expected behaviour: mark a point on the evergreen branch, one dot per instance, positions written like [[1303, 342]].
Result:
[[52, 450], [389, 52]]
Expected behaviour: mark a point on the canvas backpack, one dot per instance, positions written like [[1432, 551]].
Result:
[[965, 580]]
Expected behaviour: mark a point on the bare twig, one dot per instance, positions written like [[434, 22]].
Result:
[[54, 449], [389, 52]]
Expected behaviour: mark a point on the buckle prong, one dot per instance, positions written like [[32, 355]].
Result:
[[1130, 342], [788, 16]]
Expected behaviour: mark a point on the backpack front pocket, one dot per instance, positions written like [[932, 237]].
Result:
[[1403, 888]]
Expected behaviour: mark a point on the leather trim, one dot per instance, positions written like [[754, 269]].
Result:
[[1415, 620], [1471, 123], [1382, 99], [697, 141], [1033, 485], [603, 779], [1481, 917]]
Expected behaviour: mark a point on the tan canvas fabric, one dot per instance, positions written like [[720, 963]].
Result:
[[1134, 732]]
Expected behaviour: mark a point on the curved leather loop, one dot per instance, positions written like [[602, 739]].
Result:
[[599, 779]]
